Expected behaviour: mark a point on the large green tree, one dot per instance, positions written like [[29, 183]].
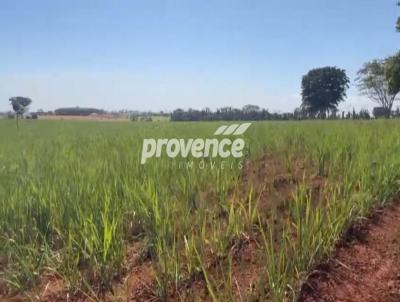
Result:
[[392, 72], [374, 82], [20, 105], [323, 89]]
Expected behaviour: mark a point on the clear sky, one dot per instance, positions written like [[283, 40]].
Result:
[[160, 55]]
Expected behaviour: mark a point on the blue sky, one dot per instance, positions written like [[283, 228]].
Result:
[[160, 55]]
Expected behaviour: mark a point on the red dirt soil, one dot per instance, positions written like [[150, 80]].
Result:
[[365, 266]]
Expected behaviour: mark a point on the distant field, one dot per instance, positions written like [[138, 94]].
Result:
[[101, 118], [79, 214], [82, 118]]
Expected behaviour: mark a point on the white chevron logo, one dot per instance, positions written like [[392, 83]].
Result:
[[234, 129]]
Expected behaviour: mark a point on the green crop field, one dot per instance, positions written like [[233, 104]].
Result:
[[77, 206]]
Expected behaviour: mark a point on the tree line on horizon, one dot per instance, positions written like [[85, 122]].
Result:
[[261, 114]]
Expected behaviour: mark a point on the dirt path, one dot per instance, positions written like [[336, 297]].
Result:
[[366, 265]]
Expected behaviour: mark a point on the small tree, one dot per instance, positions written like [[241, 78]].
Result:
[[364, 114], [20, 105], [373, 82], [398, 20], [323, 89]]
